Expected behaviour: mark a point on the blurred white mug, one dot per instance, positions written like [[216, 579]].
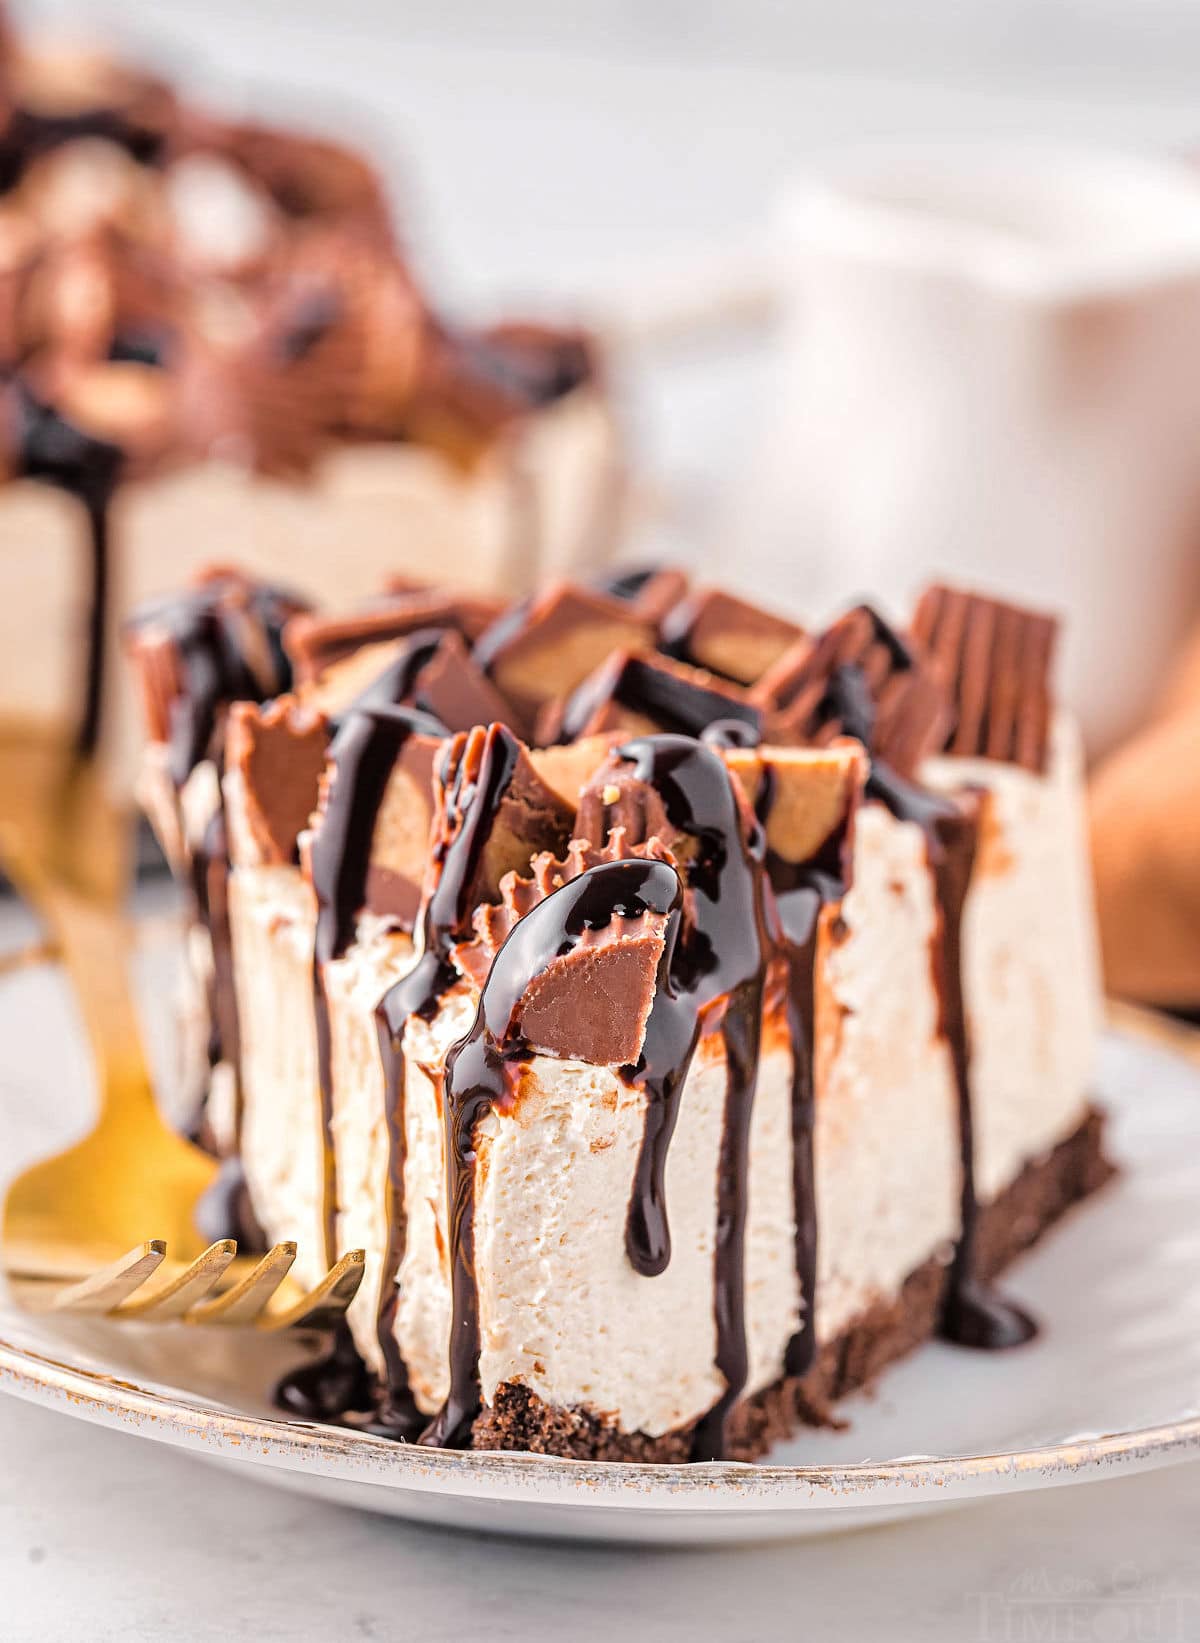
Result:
[[989, 370]]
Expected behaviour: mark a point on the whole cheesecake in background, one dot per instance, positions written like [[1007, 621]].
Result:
[[209, 339], [687, 1013]]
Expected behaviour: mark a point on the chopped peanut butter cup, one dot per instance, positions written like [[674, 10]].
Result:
[[716, 630], [541, 651], [274, 757], [995, 658], [860, 669]]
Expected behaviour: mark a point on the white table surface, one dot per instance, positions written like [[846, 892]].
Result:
[[558, 163], [108, 1536]]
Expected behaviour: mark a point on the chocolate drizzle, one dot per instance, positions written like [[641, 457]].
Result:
[[625, 583], [226, 1210], [210, 891], [799, 893], [715, 982], [207, 629], [973, 1315], [479, 1067], [681, 706], [476, 773], [56, 452], [361, 758], [334, 1386]]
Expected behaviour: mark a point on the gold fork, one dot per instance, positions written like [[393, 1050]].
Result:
[[84, 1213]]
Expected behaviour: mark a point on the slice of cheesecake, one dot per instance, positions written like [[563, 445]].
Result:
[[681, 1047], [210, 340]]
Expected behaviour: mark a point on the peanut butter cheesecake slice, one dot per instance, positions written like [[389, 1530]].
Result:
[[209, 334], [681, 1047]]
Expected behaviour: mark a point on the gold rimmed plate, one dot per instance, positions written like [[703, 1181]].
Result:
[[1110, 1387]]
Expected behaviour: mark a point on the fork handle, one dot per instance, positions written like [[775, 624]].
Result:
[[96, 946]]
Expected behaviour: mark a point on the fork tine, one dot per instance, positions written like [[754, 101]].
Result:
[[324, 1304], [172, 1299], [112, 1290], [113, 1284], [245, 1301]]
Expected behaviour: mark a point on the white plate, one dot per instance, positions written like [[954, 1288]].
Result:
[[1111, 1386]]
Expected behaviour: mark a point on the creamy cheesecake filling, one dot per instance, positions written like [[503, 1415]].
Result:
[[888, 1168], [562, 1309], [273, 918], [360, 1123], [423, 1314], [1031, 968]]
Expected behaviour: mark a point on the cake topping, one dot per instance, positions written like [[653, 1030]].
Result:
[[365, 763], [590, 999], [399, 851], [817, 690], [570, 766], [727, 635], [542, 650], [996, 660], [652, 590], [803, 796], [643, 693], [618, 801], [274, 758], [199, 651], [519, 895], [390, 680], [440, 678], [454, 690], [316, 642], [527, 816]]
